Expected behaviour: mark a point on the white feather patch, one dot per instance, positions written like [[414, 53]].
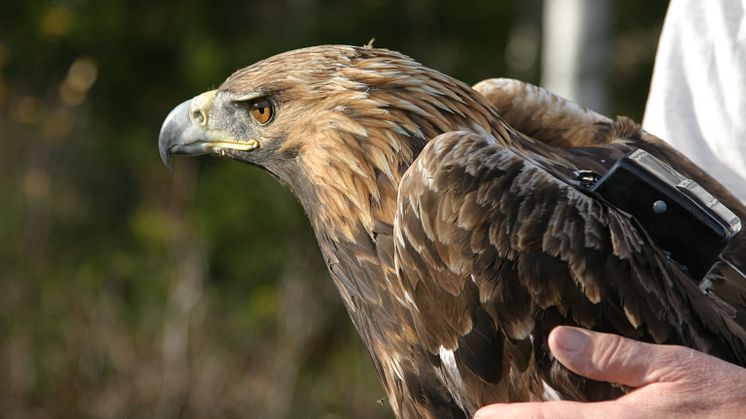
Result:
[[408, 298], [550, 393], [452, 375]]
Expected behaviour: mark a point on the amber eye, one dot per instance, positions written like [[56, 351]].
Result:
[[261, 110]]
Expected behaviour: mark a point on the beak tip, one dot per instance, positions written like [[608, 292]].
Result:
[[171, 132], [167, 162], [164, 150]]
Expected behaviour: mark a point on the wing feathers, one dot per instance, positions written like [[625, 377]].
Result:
[[544, 116], [499, 250]]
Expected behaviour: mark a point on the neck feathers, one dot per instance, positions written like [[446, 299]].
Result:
[[369, 135]]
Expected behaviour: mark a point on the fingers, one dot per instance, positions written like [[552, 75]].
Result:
[[682, 373], [551, 410], [612, 358]]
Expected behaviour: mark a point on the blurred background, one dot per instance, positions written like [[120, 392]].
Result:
[[128, 291]]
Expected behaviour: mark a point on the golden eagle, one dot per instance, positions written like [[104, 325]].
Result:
[[454, 225]]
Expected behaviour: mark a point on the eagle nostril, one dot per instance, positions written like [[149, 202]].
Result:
[[199, 117]]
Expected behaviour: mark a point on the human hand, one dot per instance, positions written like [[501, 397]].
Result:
[[669, 381]]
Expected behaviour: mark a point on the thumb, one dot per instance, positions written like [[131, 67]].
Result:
[[612, 358]]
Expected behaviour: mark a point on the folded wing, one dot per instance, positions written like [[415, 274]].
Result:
[[495, 246]]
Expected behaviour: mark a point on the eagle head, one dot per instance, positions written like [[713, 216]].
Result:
[[266, 114]]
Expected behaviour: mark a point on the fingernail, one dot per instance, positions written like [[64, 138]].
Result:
[[570, 339]]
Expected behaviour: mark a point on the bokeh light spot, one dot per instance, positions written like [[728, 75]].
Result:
[[83, 73], [56, 21], [70, 95], [36, 183], [80, 77]]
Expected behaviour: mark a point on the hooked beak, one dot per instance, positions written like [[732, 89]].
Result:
[[186, 130]]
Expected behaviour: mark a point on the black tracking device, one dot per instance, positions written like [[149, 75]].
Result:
[[679, 215]]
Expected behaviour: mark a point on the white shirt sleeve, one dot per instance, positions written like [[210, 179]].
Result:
[[697, 100]]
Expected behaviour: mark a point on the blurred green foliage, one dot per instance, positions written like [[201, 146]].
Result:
[[127, 290]]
